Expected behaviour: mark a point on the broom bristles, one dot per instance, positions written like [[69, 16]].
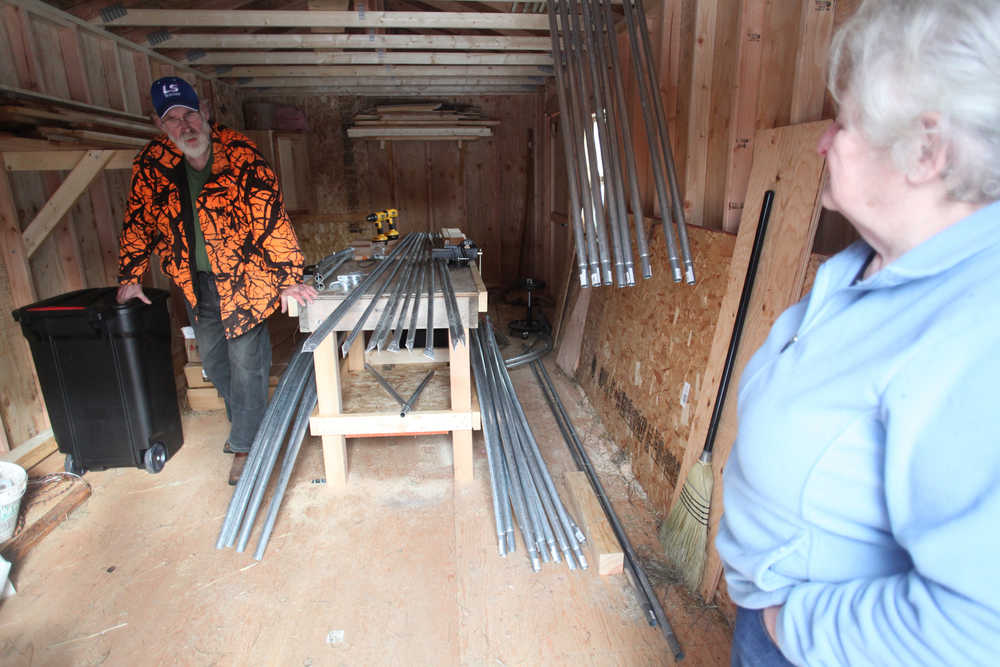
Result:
[[685, 533]]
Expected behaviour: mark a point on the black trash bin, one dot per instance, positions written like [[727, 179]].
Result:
[[107, 376]]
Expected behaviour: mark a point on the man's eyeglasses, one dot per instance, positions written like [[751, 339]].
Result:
[[191, 118]]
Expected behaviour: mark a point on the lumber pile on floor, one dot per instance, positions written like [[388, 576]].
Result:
[[421, 122]]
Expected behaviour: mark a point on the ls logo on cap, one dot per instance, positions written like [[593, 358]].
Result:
[[171, 90]]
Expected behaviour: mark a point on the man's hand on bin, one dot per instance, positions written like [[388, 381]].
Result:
[[302, 293], [126, 292]]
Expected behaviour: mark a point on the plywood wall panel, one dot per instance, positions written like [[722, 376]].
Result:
[[642, 347]]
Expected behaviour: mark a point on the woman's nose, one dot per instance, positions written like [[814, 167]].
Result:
[[827, 138]]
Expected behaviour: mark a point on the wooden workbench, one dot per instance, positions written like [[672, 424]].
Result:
[[351, 405]]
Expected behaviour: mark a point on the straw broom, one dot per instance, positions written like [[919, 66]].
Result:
[[684, 535]]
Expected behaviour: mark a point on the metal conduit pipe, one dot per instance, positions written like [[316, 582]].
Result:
[[429, 331], [608, 153], [534, 491], [407, 286], [411, 331], [306, 406], [668, 154], [416, 394], [324, 329], [574, 192], [532, 353], [518, 498], [575, 129], [404, 311], [389, 312], [397, 265], [501, 460], [567, 523], [451, 306], [328, 266], [562, 523], [517, 442], [583, 138], [606, 31], [408, 314], [531, 530], [651, 131], [489, 437], [238, 501], [655, 614], [586, 126], [272, 417], [385, 384], [269, 454], [593, 22], [553, 523]]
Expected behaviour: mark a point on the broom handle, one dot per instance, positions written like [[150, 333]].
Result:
[[741, 316]]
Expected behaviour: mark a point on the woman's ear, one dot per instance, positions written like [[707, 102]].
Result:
[[932, 160]]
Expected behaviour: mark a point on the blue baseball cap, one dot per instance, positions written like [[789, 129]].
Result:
[[170, 92]]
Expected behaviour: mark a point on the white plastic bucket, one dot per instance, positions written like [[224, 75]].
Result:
[[13, 482]]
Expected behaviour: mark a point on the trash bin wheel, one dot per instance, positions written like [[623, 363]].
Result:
[[72, 466], [155, 457]]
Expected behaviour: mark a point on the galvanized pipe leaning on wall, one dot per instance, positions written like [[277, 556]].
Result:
[[598, 141]]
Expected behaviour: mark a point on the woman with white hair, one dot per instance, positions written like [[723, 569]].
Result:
[[862, 496]]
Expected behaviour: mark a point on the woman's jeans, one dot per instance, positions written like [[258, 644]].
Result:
[[238, 367], [752, 646]]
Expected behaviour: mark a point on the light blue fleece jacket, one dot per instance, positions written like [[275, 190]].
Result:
[[863, 491]]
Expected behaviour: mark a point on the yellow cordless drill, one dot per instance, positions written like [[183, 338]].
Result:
[[393, 233], [378, 219]]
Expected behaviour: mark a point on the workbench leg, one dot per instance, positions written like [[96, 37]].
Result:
[[335, 461], [356, 354], [461, 400], [328, 401]]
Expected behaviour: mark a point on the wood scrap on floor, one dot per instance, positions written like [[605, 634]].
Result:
[[605, 549], [48, 501]]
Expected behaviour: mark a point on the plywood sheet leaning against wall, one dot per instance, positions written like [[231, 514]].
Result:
[[785, 160], [644, 352]]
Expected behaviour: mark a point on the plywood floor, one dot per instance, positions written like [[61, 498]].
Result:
[[401, 569]]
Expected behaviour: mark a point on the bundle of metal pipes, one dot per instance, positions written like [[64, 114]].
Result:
[[591, 95], [407, 275], [327, 267], [519, 478], [296, 387]]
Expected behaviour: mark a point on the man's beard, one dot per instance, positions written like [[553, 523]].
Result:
[[197, 149]]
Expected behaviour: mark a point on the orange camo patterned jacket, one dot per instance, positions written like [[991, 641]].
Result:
[[249, 238]]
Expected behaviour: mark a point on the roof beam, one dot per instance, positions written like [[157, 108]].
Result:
[[325, 41], [356, 58], [68, 20], [387, 70], [386, 90], [361, 81], [213, 18]]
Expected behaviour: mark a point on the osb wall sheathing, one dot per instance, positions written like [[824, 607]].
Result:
[[644, 351]]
